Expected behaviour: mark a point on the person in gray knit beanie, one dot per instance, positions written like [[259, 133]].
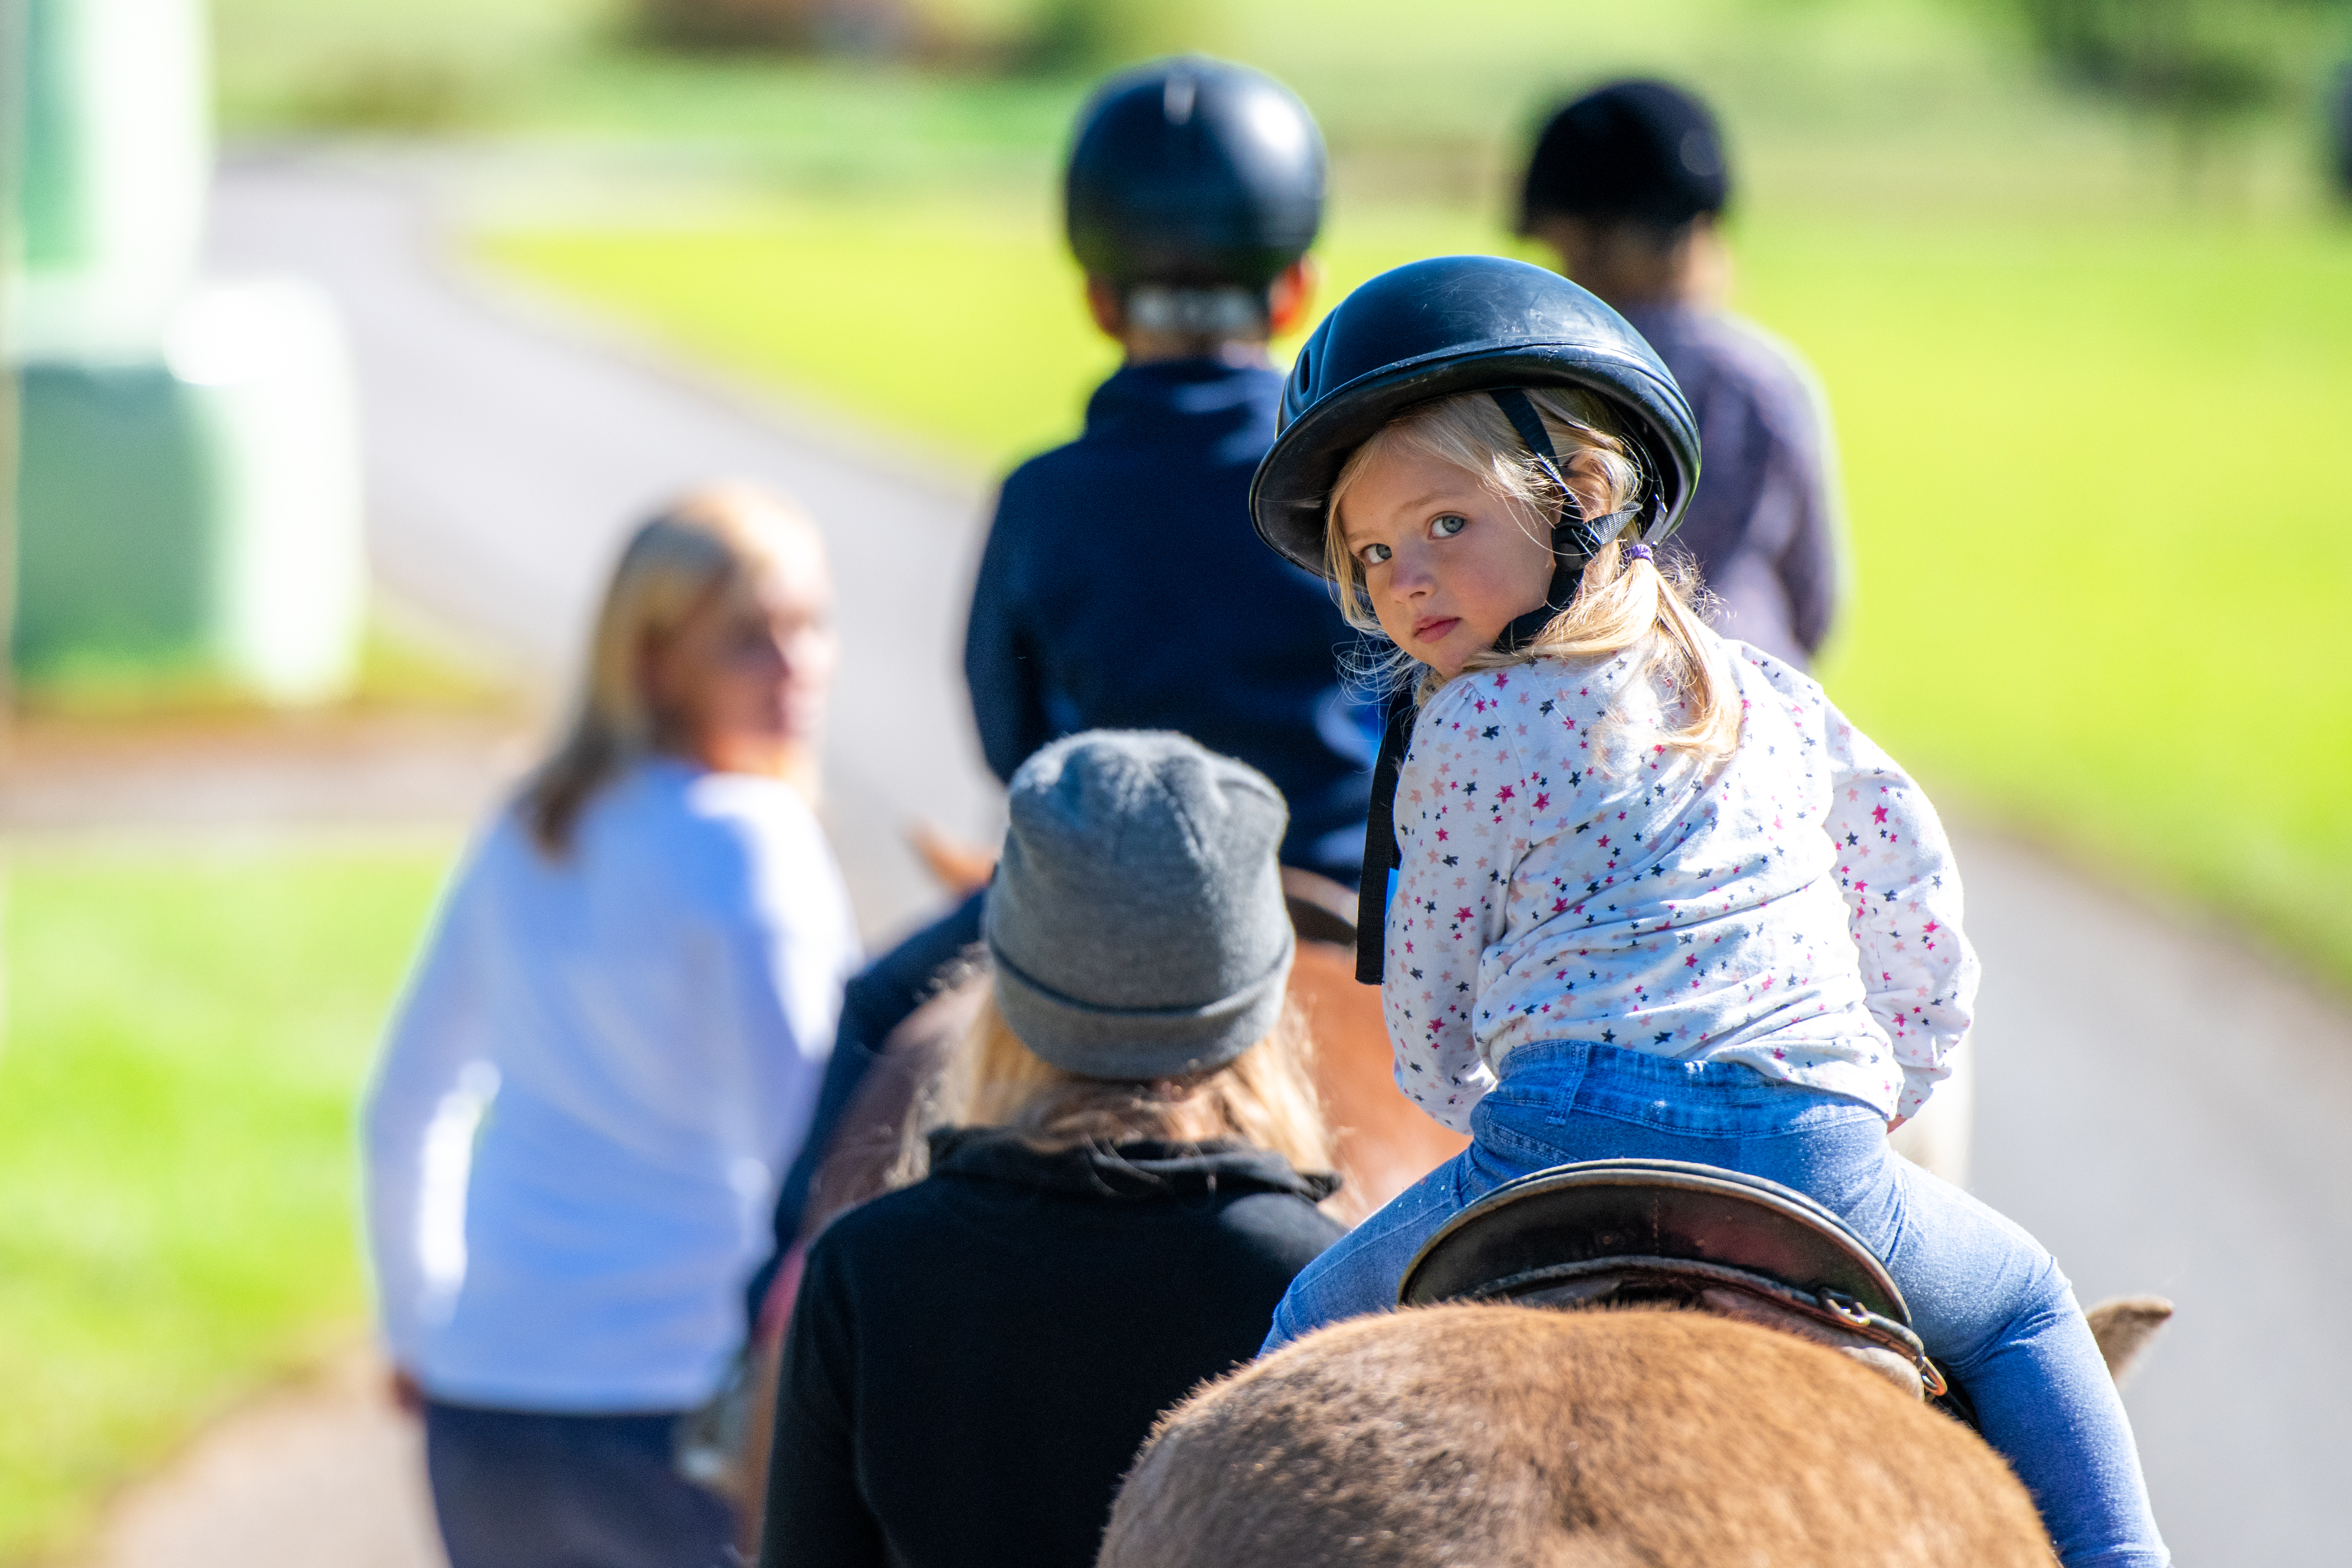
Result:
[[1123, 1158], [1136, 922]]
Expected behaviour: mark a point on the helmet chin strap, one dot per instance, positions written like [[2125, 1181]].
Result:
[[1568, 552], [1379, 834]]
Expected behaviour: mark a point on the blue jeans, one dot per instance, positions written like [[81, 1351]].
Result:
[[1990, 1302], [518, 1489]]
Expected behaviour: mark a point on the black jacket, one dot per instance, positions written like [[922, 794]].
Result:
[[974, 1359], [1123, 588]]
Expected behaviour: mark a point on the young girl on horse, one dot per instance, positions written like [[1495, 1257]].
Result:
[[1649, 894]]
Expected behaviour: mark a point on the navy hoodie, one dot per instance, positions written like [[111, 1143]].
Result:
[[1123, 587]]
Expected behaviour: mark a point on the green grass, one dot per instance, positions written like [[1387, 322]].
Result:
[[187, 1032], [2096, 474], [1005, 366], [957, 324], [2098, 482], [1897, 103], [401, 667]]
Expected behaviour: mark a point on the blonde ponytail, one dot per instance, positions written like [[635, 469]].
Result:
[[1621, 602], [1265, 1097]]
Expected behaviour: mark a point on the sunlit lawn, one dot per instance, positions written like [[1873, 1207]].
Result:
[[2100, 485], [959, 324], [187, 1032], [2098, 475]]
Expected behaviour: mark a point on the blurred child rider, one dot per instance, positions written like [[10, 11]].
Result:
[[1113, 1200], [1625, 184], [1194, 189], [635, 973]]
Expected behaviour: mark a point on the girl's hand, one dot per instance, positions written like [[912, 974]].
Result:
[[407, 1395], [962, 868], [1898, 1121]]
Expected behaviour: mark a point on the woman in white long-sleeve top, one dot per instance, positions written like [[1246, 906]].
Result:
[[609, 1051]]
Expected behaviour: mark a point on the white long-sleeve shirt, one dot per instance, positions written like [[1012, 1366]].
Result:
[[602, 1065], [1793, 907]]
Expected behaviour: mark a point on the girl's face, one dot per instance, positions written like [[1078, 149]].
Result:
[[1448, 562], [740, 687]]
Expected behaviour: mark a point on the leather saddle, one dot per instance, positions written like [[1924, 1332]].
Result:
[[1610, 1232]]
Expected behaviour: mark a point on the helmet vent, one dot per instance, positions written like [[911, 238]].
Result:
[[1176, 99], [1699, 156]]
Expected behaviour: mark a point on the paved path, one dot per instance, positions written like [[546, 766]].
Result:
[[234, 777], [324, 1474], [2168, 1113], [2166, 1110]]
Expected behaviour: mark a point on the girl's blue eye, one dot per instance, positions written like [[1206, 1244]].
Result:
[[1375, 553], [1449, 525]]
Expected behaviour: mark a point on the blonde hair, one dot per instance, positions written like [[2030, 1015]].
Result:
[[1619, 604], [707, 546], [1265, 1097]]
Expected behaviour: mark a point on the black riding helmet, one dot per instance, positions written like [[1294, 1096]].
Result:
[[1643, 150], [1455, 324], [1193, 174]]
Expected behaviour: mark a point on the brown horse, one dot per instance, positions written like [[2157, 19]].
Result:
[[1384, 1141], [1502, 1435]]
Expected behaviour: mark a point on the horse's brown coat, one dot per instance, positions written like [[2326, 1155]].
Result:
[[1501, 1437], [1384, 1142]]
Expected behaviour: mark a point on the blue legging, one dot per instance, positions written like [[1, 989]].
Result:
[[1990, 1304]]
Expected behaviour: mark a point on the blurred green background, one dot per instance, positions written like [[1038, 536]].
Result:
[[2086, 334], [2084, 315], [187, 1027]]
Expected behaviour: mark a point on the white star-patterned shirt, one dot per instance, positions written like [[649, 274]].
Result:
[[1792, 906]]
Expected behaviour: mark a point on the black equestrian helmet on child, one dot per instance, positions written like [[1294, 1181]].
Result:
[[1194, 174], [1435, 329], [1638, 151], [1455, 324]]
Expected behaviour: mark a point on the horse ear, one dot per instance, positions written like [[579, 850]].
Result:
[[2125, 1327]]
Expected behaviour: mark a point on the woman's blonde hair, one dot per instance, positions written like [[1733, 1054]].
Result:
[[1619, 603], [1265, 1097], [709, 546]]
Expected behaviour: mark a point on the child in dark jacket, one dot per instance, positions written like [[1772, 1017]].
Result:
[[1113, 1201], [1194, 188]]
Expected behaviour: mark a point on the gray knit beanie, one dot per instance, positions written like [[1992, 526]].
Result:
[[1136, 921]]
